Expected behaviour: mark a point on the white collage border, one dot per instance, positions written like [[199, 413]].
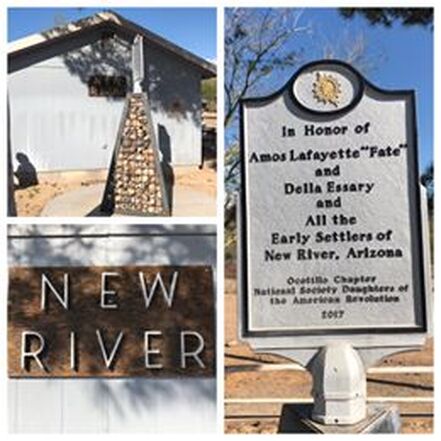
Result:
[[4, 220]]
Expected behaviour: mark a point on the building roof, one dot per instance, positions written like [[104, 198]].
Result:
[[112, 19]]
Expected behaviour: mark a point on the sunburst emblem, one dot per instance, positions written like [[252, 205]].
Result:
[[326, 89]]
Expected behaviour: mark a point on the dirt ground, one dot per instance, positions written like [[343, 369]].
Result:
[[31, 201], [263, 418], [198, 179]]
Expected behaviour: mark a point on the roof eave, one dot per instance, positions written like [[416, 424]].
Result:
[[207, 69]]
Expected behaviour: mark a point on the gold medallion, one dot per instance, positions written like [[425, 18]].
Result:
[[326, 89]]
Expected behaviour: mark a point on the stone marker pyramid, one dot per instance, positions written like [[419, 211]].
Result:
[[135, 184]]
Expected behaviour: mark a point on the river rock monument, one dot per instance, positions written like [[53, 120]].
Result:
[[135, 183], [330, 208]]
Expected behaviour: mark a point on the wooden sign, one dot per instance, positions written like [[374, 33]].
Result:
[[143, 321], [331, 222]]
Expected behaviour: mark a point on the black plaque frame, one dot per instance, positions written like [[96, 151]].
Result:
[[413, 190]]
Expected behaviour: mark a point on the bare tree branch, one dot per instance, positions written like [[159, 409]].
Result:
[[255, 45]]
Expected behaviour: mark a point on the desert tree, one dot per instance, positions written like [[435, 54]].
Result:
[[255, 48]]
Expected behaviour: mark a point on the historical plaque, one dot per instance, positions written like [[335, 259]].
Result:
[[144, 321], [331, 239]]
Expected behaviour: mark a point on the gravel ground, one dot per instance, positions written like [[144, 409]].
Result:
[[32, 200]]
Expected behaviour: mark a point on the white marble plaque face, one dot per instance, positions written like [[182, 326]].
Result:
[[331, 222]]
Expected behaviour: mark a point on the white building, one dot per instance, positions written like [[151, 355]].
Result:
[[66, 89]]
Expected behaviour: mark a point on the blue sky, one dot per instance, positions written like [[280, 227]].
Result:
[[404, 58], [192, 28]]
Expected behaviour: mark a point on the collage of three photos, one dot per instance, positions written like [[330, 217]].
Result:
[[191, 256]]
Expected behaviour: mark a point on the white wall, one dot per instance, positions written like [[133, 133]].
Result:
[[59, 127], [174, 90], [111, 405], [52, 118]]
